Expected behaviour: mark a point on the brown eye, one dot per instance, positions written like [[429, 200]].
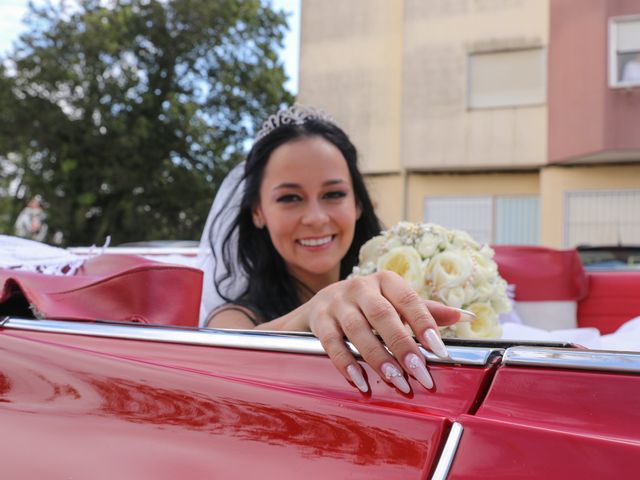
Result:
[[335, 194], [288, 198]]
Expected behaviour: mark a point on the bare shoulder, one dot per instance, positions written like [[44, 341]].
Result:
[[231, 316]]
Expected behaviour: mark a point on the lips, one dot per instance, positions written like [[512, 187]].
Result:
[[315, 242]]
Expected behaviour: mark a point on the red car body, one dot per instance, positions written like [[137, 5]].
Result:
[[101, 400]]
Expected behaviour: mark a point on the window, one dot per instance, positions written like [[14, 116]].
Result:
[[510, 220], [624, 51], [517, 220], [508, 78], [472, 214], [602, 217]]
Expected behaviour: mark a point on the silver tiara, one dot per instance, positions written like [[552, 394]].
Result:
[[294, 115]]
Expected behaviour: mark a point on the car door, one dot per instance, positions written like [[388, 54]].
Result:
[[100, 400], [555, 414]]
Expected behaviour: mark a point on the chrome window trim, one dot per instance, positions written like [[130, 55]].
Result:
[[448, 452], [291, 342], [628, 362], [146, 251]]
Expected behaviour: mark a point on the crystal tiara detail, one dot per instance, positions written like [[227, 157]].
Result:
[[295, 115]]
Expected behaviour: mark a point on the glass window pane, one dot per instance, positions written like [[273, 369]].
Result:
[[628, 35], [472, 214], [602, 218], [509, 78], [517, 220]]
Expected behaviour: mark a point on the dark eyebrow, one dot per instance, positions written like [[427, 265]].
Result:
[[335, 181]]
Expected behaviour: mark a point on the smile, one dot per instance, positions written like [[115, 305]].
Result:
[[315, 242]]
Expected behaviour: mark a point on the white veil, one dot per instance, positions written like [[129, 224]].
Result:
[[225, 208]]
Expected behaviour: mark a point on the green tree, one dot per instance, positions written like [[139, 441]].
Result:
[[125, 115]]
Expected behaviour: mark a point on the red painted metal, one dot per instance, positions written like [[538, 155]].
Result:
[[491, 449], [84, 407], [583, 402], [546, 423], [89, 407]]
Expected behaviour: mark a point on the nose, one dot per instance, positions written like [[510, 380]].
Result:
[[314, 214]]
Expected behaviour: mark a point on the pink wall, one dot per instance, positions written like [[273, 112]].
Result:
[[586, 117]]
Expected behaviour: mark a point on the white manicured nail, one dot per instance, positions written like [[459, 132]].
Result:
[[435, 343], [465, 315], [395, 376], [356, 377], [418, 369]]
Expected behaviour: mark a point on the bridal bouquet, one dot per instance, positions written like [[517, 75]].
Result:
[[443, 265]]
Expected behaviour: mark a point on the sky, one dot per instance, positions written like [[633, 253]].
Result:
[[12, 12]]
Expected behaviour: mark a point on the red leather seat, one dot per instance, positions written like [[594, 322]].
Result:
[[614, 298], [108, 287]]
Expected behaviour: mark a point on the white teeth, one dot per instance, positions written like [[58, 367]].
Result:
[[315, 242]]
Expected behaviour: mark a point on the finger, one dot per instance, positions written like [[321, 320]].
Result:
[[414, 311], [445, 315], [380, 314], [357, 329], [400, 342], [332, 340]]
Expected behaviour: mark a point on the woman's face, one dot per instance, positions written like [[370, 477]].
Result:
[[308, 206]]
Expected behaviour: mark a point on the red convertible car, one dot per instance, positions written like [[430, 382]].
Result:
[[142, 393]]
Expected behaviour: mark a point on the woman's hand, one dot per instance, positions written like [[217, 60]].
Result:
[[382, 302]]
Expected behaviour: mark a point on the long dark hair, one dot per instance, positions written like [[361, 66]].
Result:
[[272, 291]]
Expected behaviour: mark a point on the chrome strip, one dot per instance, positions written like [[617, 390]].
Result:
[[465, 355], [146, 251], [292, 342], [448, 452], [573, 358]]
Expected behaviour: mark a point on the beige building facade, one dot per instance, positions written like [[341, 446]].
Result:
[[456, 108]]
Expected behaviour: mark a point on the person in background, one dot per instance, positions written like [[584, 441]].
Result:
[[31, 221]]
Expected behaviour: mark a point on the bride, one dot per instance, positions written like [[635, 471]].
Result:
[[285, 231]]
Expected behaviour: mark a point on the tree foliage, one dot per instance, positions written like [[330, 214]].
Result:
[[126, 114]]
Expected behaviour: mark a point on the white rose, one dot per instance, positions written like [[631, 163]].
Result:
[[437, 229], [391, 243], [487, 251], [501, 304], [447, 332], [481, 290], [484, 267], [371, 250], [454, 297], [449, 269], [425, 291], [484, 326], [429, 244], [470, 293], [406, 262], [462, 239], [363, 270], [500, 300]]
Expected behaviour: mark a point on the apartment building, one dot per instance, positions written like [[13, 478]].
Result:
[[516, 120]]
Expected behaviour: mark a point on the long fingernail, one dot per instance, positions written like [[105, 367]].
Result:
[[465, 315], [418, 369], [395, 376], [435, 344], [357, 378]]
